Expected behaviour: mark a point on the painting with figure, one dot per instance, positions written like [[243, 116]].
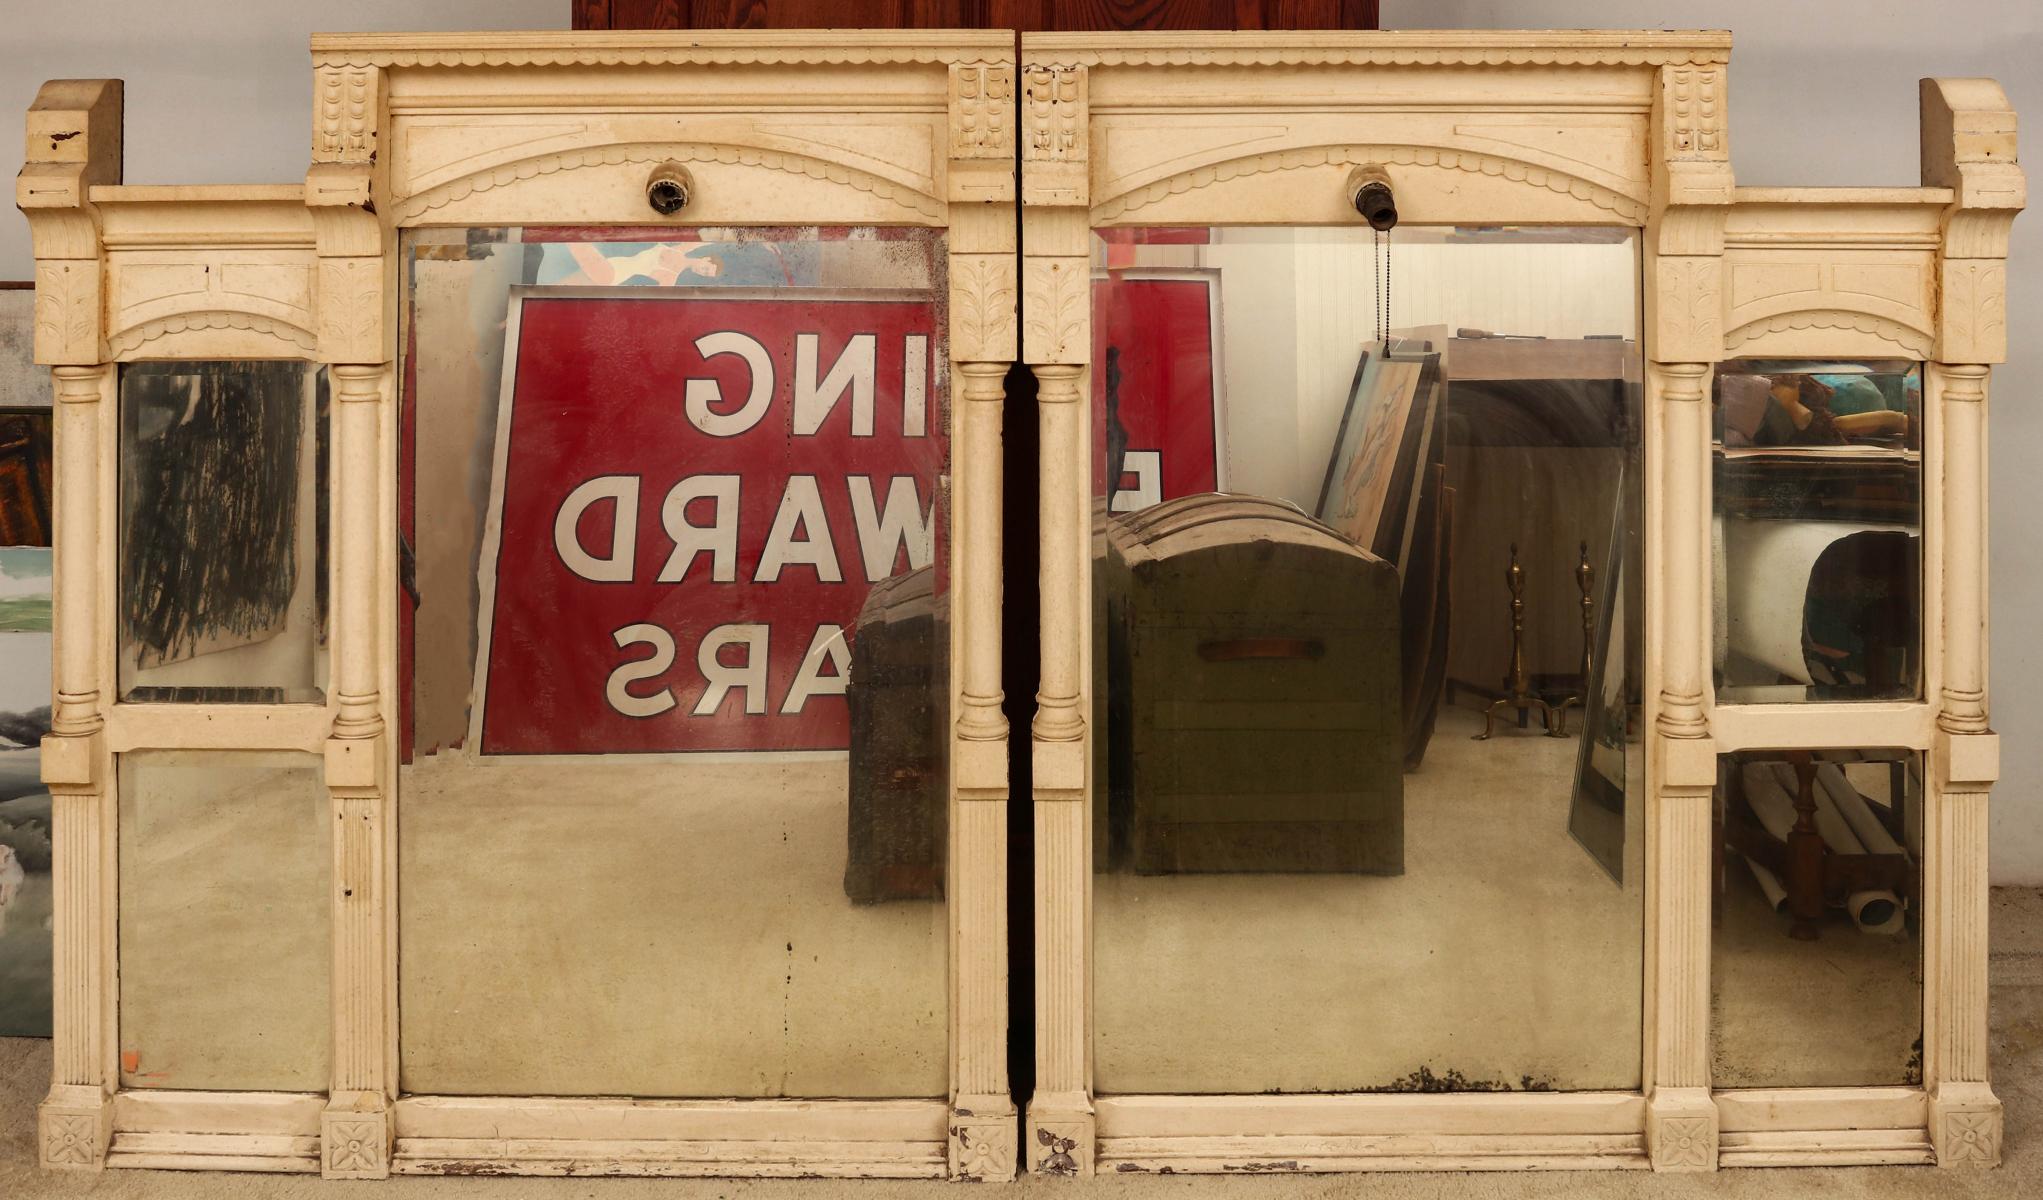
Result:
[[25, 470]]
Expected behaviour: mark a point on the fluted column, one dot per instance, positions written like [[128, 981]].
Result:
[[356, 1126], [983, 1125], [1682, 1129], [75, 1122], [1061, 1110], [1965, 1121]]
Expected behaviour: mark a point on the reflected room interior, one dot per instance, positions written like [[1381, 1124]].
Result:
[[675, 646], [1365, 666]]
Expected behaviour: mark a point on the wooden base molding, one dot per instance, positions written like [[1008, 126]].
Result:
[[901, 1139], [1306, 1134]]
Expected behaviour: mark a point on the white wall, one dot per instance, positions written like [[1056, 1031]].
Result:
[[1823, 92], [218, 91]]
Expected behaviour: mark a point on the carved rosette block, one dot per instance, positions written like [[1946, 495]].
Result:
[[1965, 1125], [1681, 1129], [355, 1142], [73, 1136], [1061, 1144], [982, 1146]]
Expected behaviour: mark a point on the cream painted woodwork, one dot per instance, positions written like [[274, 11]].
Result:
[[1591, 128], [927, 129], [800, 128]]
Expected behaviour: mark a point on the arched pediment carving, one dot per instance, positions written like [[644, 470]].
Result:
[[1906, 340], [291, 341], [1623, 208], [913, 203]]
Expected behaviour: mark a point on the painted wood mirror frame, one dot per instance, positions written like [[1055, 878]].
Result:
[[1199, 944], [483, 182]]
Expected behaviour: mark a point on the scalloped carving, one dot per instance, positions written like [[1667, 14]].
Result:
[[926, 206], [128, 341], [1473, 162], [1914, 342]]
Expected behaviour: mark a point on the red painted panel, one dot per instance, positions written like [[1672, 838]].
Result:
[[718, 622], [1153, 388]]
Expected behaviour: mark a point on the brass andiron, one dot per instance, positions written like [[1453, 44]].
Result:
[[1517, 689], [1585, 578]]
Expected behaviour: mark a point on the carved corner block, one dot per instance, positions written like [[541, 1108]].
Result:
[[1681, 1130], [1687, 764], [70, 325], [982, 111], [983, 293], [1967, 762], [355, 1139], [1686, 297], [354, 762], [1057, 298], [1972, 320], [74, 1129], [980, 768], [1059, 769], [70, 761], [1061, 1144], [1965, 1125], [982, 1146], [351, 307]]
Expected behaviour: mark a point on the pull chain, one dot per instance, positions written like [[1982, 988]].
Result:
[[1382, 289]]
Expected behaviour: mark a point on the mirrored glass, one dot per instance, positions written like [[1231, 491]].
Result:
[[1818, 531], [1816, 975], [223, 572], [675, 783], [1365, 660], [225, 935]]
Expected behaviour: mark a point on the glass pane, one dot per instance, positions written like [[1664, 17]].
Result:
[[675, 783], [1327, 552], [1816, 979], [223, 532], [1818, 531], [225, 938]]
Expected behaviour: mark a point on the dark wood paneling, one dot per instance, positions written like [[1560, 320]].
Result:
[[1029, 15]]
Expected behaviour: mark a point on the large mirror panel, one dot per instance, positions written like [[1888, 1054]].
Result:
[[675, 662], [1366, 777]]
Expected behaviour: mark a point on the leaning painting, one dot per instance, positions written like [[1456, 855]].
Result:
[[24, 674]]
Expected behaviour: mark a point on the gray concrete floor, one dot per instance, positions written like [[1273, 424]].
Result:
[[2018, 1078]]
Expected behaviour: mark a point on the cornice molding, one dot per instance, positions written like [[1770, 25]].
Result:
[[703, 48], [926, 206], [1401, 48], [1474, 162]]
